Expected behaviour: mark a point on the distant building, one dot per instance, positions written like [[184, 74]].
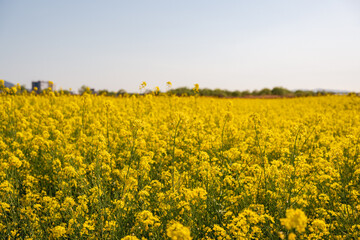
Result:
[[41, 85], [8, 84]]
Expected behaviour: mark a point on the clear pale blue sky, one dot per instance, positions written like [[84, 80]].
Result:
[[233, 44]]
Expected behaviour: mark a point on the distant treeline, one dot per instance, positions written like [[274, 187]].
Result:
[[184, 91], [6, 87], [276, 91]]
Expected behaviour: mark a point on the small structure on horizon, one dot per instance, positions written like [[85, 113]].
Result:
[[8, 84], [39, 86]]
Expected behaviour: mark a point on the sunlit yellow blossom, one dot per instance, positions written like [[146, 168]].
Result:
[[130, 237], [58, 231], [157, 90], [318, 227], [196, 88], [4, 206], [176, 231], [292, 236], [295, 218], [5, 186], [14, 161], [220, 232], [13, 90], [142, 85], [147, 219]]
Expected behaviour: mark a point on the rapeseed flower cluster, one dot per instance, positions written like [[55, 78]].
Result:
[[159, 166], [295, 219], [176, 231]]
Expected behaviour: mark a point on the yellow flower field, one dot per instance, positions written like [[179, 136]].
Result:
[[166, 167]]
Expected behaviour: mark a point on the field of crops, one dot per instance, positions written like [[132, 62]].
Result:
[[166, 167]]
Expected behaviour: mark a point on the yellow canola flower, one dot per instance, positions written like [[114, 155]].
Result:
[[196, 88], [130, 237], [5, 186], [4, 206], [295, 218], [195, 194], [292, 236], [58, 231], [147, 219], [14, 161], [176, 231], [319, 225], [157, 90], [13, 90], [220, 232], [142, 85]]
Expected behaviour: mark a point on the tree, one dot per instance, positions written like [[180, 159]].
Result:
[[265, 91], [280, 91], [121, 92], [103, 92], [84, 89]]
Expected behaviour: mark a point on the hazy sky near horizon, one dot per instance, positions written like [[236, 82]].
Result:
[[233, 44]]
